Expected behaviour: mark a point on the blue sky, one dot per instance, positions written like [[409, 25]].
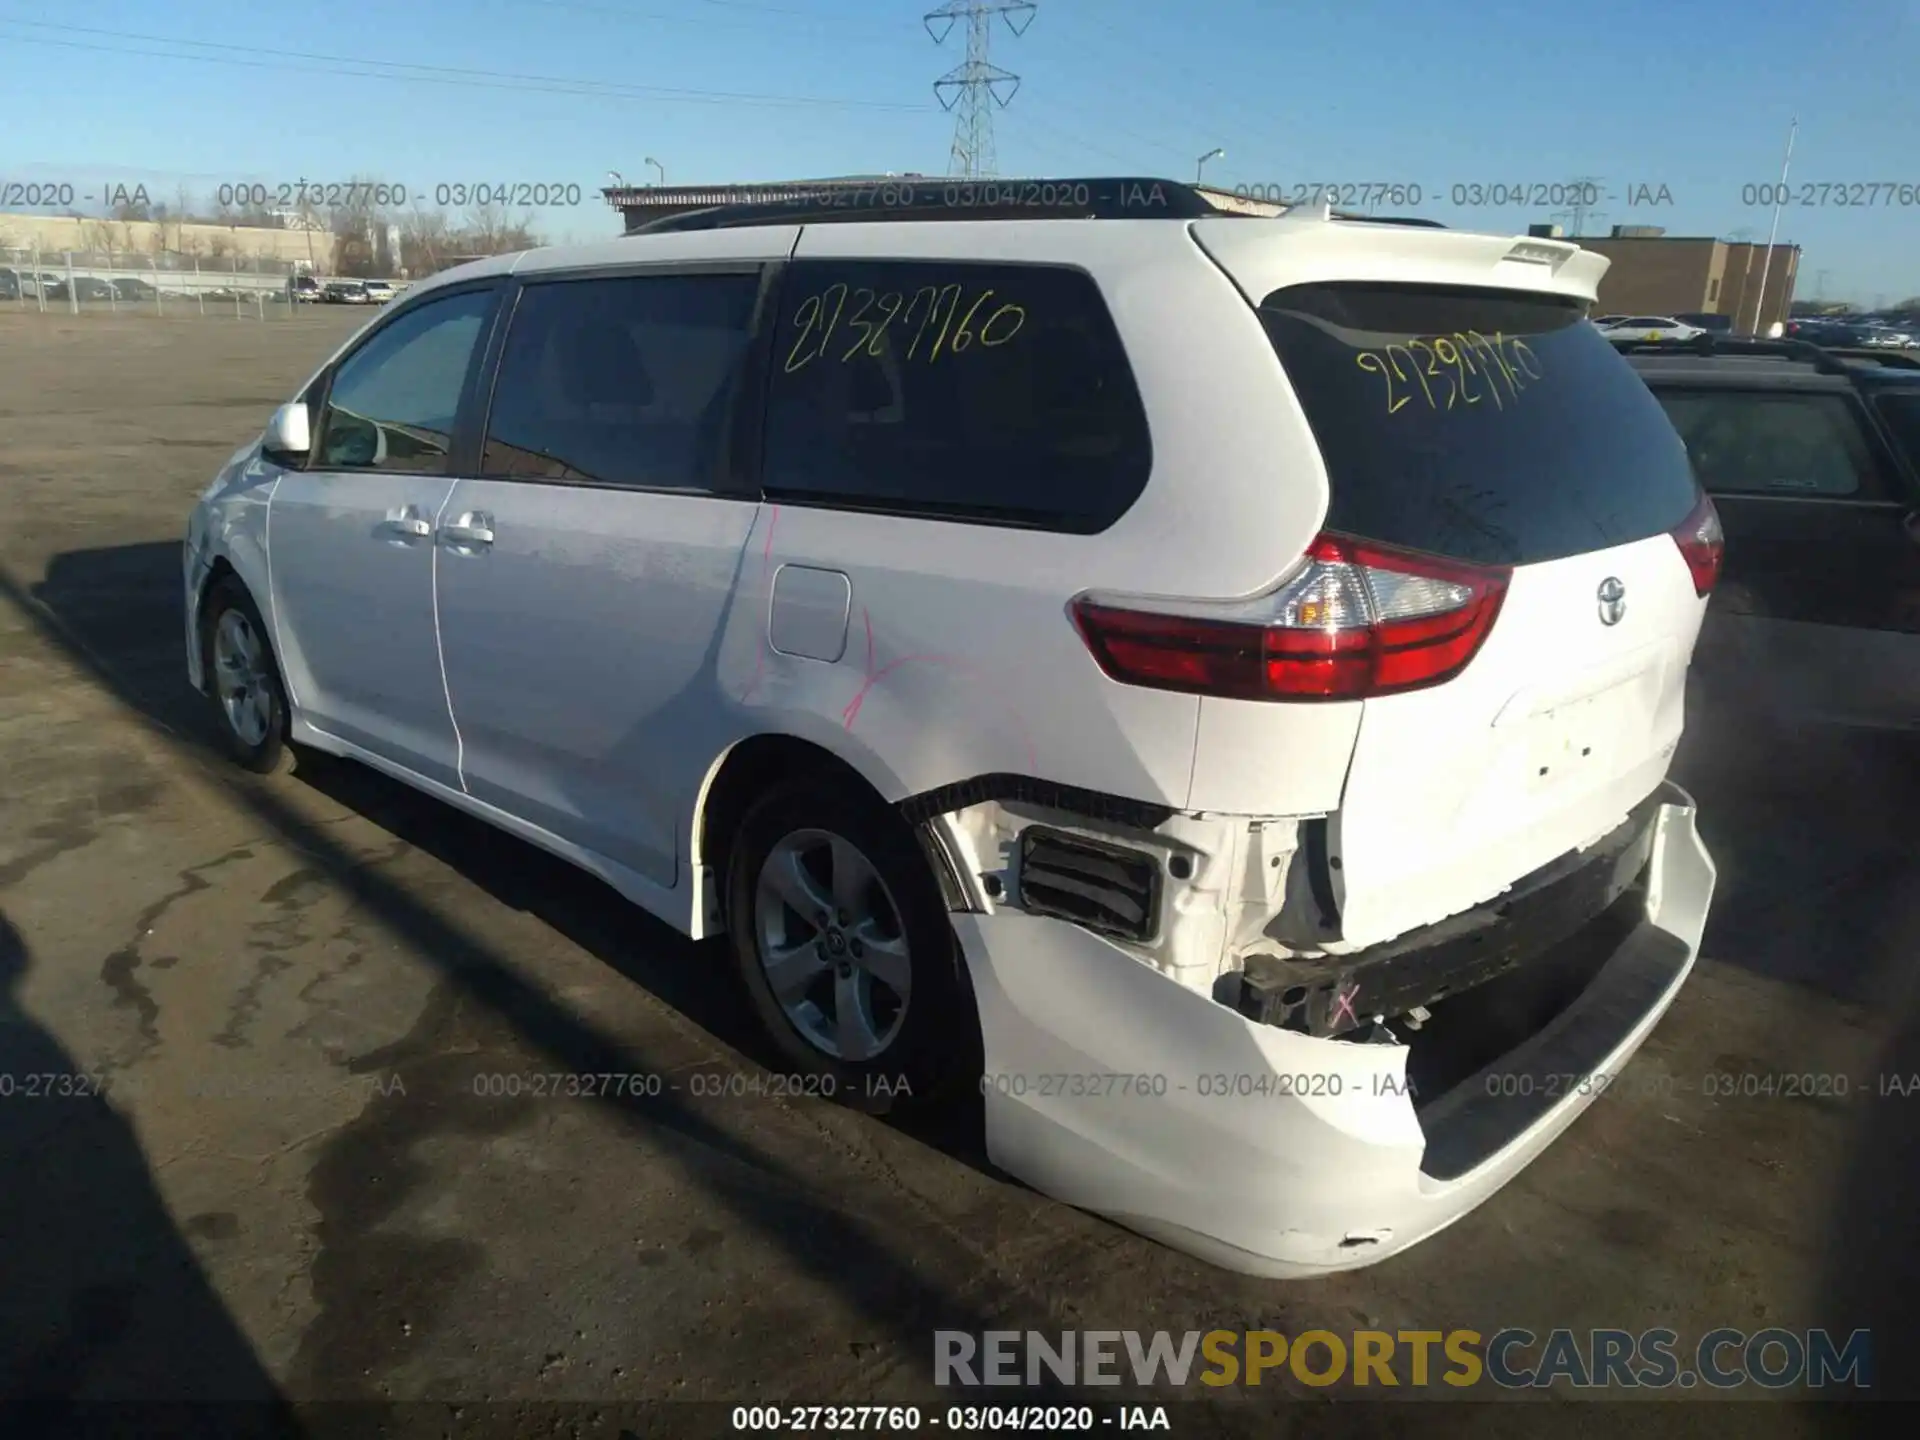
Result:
[[1692, 95]]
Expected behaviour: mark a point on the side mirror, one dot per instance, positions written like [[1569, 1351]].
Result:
[[289, 434]]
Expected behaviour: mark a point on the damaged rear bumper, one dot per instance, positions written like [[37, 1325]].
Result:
[[1113, 1087]]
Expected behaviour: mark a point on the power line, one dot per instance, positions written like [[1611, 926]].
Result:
[[432, 74], [838, 35], [969, 89], [1213, 101]]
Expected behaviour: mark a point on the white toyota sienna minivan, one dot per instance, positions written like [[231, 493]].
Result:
[[1206, 680]]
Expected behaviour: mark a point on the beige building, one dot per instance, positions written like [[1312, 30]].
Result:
[[1682, 274], [57, 234]]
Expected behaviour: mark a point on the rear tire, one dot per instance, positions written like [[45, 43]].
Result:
[[243, 677], [843, 945]]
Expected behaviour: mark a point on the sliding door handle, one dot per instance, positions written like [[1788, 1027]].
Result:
[[473, 529]]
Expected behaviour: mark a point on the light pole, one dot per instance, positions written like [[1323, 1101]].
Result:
[[661, 168], [1200, 165], [1779, 199]]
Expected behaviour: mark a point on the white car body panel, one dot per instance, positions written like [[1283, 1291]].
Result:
[[579, 658], [1290, 1180], [1558, 727], [580, 681]]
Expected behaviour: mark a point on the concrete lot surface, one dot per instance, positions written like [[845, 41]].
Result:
[[298, 986]]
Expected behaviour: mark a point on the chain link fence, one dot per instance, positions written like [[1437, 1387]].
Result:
[[78, 282]]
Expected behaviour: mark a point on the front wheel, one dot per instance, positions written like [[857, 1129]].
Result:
[[247, 693], [845, 950]]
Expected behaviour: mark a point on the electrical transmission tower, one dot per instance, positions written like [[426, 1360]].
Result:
[[972, 88], [1581, 211]]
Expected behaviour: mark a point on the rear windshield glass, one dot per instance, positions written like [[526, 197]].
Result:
[[1485, 425]]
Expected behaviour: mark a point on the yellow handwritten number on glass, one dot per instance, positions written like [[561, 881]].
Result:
[[805, 317], [1450, 353], [1374, 365], [866, 326], [1433, 369], [1425, 389], [986, 329]]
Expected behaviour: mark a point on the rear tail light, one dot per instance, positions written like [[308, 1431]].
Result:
[[1354, 620], [1702, 544]]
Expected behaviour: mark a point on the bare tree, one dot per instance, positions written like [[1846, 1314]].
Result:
[[359, 225], [490, 230], [424, 238]]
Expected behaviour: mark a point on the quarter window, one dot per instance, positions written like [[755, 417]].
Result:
[[393, 402], [625, 380], [998, 394]]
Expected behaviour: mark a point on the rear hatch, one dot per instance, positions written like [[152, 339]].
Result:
[[1508, 501]]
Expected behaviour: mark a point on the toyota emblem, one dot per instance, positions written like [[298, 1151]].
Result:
[[1613, 600]]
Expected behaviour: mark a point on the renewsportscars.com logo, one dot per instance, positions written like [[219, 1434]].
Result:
[[1724, 1359]]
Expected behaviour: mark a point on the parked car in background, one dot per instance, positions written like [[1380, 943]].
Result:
[[1712, 324], [1889, 335], [1814, 463], [9, 284], [132, 288], [378, 292], [84, 288], [30, 284], [344, 292], [1157, 674], [1651, 327], [304, 288]]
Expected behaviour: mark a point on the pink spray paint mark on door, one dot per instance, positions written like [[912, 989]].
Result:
[[957, 663]]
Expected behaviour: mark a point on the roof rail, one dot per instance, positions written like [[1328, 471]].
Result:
[[1418, 220], [1891, 359], [1709, 345], [919, 198]]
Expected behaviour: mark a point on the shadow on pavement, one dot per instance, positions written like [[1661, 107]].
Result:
[[1816, 830], [118, 613], [102, 1299]]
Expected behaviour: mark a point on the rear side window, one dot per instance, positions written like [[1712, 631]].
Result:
[[1760, 443], [625, 381], [1901, 415], [992, 393], [1485, 425]]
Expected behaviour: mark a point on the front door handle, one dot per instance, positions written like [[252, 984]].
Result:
[[408, 521], [474, 529]]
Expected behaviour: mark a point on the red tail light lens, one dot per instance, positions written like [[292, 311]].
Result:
[[1355, 620], [1702, 544]]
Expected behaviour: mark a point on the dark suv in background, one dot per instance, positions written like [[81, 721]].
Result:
[[1813, 460]]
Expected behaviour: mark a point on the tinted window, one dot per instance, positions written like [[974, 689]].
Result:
[[393, 401], [1485, 425], [621, 381], [1901, 415], [1773, 444], [988, 392]]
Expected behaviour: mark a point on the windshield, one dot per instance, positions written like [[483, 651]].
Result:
[[1490, 426]]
